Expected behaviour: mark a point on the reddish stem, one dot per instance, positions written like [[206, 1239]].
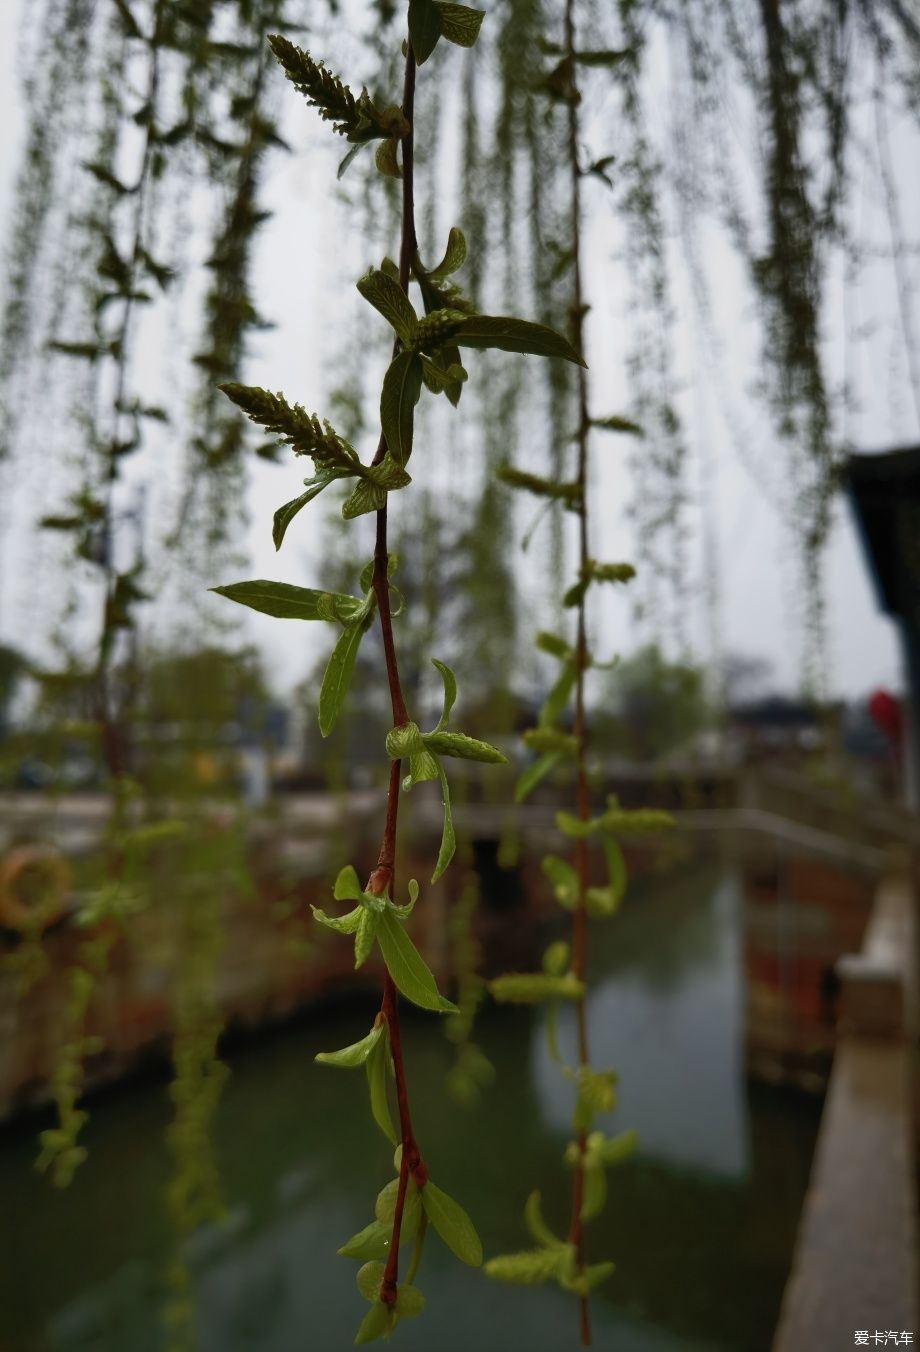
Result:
[[382, 880], [411, 1164], [580, 915]]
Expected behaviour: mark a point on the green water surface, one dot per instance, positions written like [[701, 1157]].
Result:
[[701, 1223]]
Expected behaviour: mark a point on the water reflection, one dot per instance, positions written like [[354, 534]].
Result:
[[701, 1223], [670, 1019]]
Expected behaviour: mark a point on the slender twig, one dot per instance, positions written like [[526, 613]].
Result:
[[580, 915], [244, 184], [113, 736], [892, 208], [382, 879]]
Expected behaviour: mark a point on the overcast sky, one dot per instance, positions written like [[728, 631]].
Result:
[[756, 572]]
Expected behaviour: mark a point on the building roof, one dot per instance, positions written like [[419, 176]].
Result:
[[884, 489]]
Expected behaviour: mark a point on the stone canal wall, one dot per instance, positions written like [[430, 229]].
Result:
[[805, 904]]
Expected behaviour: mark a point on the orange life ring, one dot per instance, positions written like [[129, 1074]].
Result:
[[32, 909]]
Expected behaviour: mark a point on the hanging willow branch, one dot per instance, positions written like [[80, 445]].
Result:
[[426, 355], [564, 976], [159, 115]]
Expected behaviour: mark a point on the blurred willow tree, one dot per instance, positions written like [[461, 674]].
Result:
[[133, 108], [137, 109], [652, 706], [767, 142]]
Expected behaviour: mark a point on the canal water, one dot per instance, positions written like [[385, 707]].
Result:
[[701, 1222]]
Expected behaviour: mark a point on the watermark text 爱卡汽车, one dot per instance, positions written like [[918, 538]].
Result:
[[883, 1337]]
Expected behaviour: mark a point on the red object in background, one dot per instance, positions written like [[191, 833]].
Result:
[[887, 715]]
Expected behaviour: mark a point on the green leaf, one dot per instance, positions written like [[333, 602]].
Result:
[[129, 24], [330, 606], [367, 575], [409, 1301], [616, 867], [515, 335], [465, 748], [61, 523], [452, 1224], [407, 967], [389, 475], [405, 911], [349, 1058], [564, 880], [559, 83], [569, 492], [558, 696], [424, 28], [345, 924], [556, 958], [454, 254], [284, 601], [619, 1147], [286, 513], [422, 768], [576, 593], [460, 23], [338, 677], [388, 297], [370, 1243], [596, 1093], [443, 380], [596, 1273], [599, 169], [347, 887], [594, 1193], [387, 160], [533, 1218], [450, 691], [447, 358], [574, 827], [612, 572], [603, 58], [634, 821], [365, 497], [597, 572], [377, 1323], [533, 988], [600, 902], [368, 1279], [554, 645], [531, 777], [545, 740], [529, 1268], [104, 175], [448, 839], [402, 386], [365, 934], [347, 159], [404, 741], [385, 1208], [376, 1067], [615, 424], [385, 1205]]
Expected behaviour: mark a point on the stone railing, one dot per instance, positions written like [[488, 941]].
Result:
[[854, 1274]]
